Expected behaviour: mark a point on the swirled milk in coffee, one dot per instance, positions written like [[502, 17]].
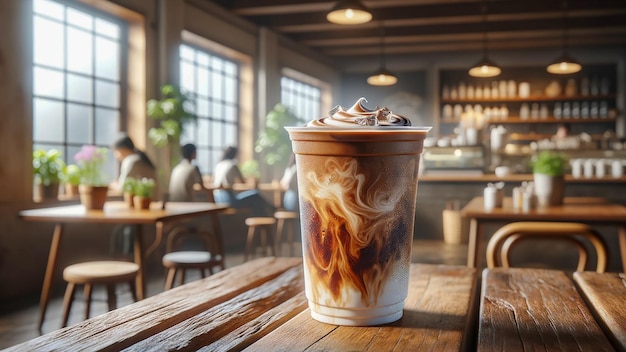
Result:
[[357, 180]]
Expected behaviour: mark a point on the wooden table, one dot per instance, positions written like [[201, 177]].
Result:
[[590, 210], [544, 310], [116, 213], [260, 305]]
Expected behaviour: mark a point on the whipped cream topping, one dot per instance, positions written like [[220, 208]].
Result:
[[359, 115]]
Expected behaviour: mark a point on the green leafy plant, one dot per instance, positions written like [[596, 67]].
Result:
[[274, 140], [173, 111], [549, 163], [130, 183], [47, 166], [71, 174], [250, 168], [144, 187]]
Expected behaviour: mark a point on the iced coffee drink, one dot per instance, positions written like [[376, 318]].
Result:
[[357, 178]]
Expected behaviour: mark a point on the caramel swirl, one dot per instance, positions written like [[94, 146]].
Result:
[[359, 115]]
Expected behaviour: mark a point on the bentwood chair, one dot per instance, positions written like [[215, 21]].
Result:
[[500, 244]]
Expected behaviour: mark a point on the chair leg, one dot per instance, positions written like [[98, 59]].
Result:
[[290, 234], [280, 224], [67, 303], [181, 278], [169, 280], [133, 290], [202, 273], [87, 293], [249, 243], [272, 243], [264, 240], [111, 298]]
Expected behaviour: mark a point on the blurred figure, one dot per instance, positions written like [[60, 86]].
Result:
[[562, 131], [185, 177], [134, 162], [289, 184], [226, 174]]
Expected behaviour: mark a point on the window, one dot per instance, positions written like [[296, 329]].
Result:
[[302, 98], [213, 82], [77, 74]]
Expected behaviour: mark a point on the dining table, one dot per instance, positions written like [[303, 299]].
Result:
[[261, 305], [587, 210], [159, 215]]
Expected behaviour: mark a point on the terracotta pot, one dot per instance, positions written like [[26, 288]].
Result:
[[129, 199], [71, 190], [93, 197], [142, 203], [48, 192]]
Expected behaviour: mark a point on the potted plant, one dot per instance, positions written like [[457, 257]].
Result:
[[143, 193], [273, 140], [548, 174], [47, 170], [173, 112], [128, 189], [71, 179], [93, 185], [250, 171]]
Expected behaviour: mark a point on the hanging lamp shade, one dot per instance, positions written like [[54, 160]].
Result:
[[564, 65], [382, 77], [485, 68], [349, 12]]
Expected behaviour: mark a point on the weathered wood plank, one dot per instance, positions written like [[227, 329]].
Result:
[[606, 296], [535, 310], [125, 326], [217, 322], [436, 315]]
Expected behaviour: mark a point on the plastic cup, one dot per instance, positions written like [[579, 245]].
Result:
[[358, 189]]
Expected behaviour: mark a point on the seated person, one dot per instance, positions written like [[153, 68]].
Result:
[[226, 174], [185, 177], [134, 163]]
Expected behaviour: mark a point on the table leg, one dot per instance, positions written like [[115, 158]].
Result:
[[622, 245], [47, 281], [138, 254], [217, 231], [472, 245]]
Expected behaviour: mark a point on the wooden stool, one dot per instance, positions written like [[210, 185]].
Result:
[[179, 261], [265, 225], [108, 273], [285, 218], [510, 234]]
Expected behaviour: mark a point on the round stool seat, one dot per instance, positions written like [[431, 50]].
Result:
[[259, 221], [100, 272], [189, 258], [286, 215]]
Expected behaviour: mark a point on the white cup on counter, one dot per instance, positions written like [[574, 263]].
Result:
[[588, 168], [600, 168], [617, 169], [577, 168]]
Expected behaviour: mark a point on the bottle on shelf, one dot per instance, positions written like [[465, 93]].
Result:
[[584, 86], [557, 111]]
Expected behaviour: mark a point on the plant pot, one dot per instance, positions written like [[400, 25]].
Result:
[[129, 199], [142, 203], [48, 192], [93, 197], [71, 190], [549, 189]]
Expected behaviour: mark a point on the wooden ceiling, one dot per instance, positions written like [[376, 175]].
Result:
[[440, 26]]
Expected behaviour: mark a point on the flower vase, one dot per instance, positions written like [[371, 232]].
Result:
[[93, 197], [549, 189], [129, 199]]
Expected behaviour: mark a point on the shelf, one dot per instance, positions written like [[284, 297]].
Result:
[[530, 99], [549, 120]]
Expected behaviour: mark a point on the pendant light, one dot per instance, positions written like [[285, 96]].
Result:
[[485, 67], [382, 77], [349, 12], [564, 64]]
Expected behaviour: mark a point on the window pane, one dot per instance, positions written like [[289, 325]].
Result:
[[79, 89], [107, 94], [230, 134], [202, 59], [202, 158], [48, 8], [203, 82], [107, 126], [48, 43], [216, 111], [217, 133], [202, 108], [79, 119], [186, 52], [230, 69], [230, 114], [187, 77], [231, 90], [48, 83], [203, 130], [188, 135], [79, 51], [48, 119], [107, 28], [79, 19], [303, 99], [217, 82], [108, 63]]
